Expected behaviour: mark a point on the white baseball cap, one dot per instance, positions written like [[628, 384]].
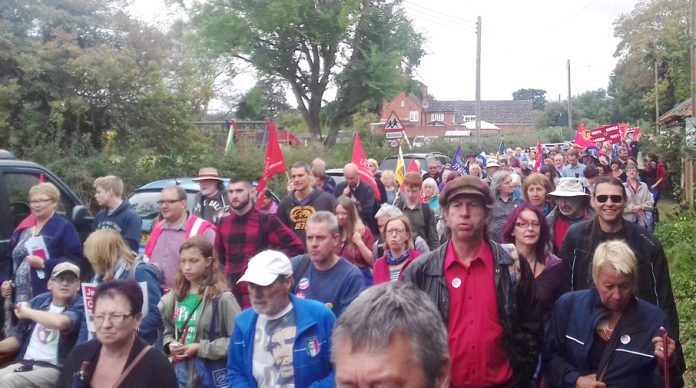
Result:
[[264, 268]]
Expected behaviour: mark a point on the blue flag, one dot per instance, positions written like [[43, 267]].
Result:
[[501, 147], [481, 158], [458, 162]]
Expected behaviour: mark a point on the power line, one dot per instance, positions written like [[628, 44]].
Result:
[[439, 15]]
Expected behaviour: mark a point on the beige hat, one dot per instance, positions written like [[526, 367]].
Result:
[[569, 187], [65, 267], [264, 268], [207, 173]]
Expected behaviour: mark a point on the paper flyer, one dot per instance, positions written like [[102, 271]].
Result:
[[88, 290], [36, 246]]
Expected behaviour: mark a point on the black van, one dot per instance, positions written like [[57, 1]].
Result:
[[16, 178]]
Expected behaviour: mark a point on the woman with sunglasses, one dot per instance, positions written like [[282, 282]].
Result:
[[526, 227]]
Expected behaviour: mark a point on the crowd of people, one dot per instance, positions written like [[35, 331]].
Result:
[[494, 276]]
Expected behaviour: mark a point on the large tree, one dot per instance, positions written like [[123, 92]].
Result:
[[653, 35], [363, 48], [538, 97]]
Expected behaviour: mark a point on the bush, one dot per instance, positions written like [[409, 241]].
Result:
[[677, 235]]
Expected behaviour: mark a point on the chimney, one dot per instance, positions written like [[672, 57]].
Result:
[[425, 100]]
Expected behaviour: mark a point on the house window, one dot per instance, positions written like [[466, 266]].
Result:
[[469, 118], [403, 103], [437, 117], [413, 116]]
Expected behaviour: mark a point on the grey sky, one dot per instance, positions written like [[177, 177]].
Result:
[[525, 44]]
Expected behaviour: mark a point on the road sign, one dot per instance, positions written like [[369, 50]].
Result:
[[393, 143], [393, 124], [394, 135]]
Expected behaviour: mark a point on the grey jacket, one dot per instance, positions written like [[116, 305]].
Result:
[[227, 312]]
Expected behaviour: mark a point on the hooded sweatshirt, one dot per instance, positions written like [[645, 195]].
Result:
[[124, 220], [294, 213]]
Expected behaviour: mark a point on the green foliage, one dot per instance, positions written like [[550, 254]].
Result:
[[678, 236], [538, 97], [265, 99]]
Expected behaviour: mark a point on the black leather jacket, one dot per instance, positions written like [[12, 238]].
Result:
[[517, 306]]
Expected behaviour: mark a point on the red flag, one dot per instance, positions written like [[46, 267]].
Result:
[[582, 137], [273, 164], [539, 157], [360, 160]]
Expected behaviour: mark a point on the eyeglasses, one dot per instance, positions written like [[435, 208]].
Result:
[[395, 230], [525, 225], [614, 198], [168, 201], [113, 318], [35, 202]]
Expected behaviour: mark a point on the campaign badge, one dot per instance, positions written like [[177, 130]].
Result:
[[312, 346], [303, 284]]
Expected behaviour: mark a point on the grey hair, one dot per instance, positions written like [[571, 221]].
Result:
[[383, 311], [497, 180], [388, 210], [326, 217]]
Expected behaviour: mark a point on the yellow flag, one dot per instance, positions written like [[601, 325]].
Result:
[[400, 168]]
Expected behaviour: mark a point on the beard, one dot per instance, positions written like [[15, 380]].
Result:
[[241, 205]]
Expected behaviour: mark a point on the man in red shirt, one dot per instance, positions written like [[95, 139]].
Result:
[[484, 295], [572, 207]]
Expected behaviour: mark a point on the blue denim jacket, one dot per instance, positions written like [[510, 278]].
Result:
[[75, 312]]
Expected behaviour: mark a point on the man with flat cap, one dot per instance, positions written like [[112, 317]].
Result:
[[483, 292], [281, 341]]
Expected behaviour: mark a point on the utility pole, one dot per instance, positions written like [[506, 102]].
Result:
[[657, 99], [478, 83], [687, 163], [570, 106]]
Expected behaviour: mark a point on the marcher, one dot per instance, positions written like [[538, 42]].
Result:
[[45, 231], [117, 212], [282, 340], [176, 226], [434, 171], [46, 333], [535, 188], [493, 327], [384, 214], [573, 169], [111, 259], [400, 343], [605, 336], [356, 239], [639, 200], [422, 217], [198, 313], [360, 192], [503, 203], [653, 285], [399, 252], [247, 231], [117, 357], [210, 202], [572, 207], [321, 274], [302, 200]]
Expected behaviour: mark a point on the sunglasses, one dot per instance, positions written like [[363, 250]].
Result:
[[614, 198]]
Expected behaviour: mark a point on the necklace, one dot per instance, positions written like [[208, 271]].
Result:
[[606, 330]]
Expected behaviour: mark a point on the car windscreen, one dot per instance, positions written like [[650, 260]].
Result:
[[390, 164], [145, 203]]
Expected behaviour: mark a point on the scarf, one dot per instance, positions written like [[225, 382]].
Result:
[[397, 260]]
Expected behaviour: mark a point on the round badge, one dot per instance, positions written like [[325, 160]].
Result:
[[456, 282], [625, 339], [303, 284], [300, 294]]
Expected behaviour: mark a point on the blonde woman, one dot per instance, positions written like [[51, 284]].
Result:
[[111, 259], [430, 192], [389, 181], [198, 313]]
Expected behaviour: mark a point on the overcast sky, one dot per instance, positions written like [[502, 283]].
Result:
[[525, 44]]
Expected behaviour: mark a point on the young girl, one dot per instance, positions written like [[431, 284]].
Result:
[[356, 238], [199, 297]]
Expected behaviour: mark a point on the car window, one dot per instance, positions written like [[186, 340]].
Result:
[[18, 185], [390, 164], [145, 203]]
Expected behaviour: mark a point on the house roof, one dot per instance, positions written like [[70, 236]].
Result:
[[497, 112], [682, 110]]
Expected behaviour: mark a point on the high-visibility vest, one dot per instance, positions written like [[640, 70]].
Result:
[[194, 226]]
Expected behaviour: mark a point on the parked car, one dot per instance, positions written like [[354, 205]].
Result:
[[144, 201], [336, 174], [16, 178], [389, 163]]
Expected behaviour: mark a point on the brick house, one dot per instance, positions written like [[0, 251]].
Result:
[[434, 118]]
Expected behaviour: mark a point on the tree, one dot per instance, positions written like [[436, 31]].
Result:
[[311, 44], [538, 97], [555, 114], [654, 34], [593, 107], [265, 99]]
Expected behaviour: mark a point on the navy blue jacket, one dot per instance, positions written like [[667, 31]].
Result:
[[74, 310], [123, 220], [572, 332], [63, 244], [314, 323]]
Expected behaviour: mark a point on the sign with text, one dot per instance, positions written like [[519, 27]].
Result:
[[88, 291]]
